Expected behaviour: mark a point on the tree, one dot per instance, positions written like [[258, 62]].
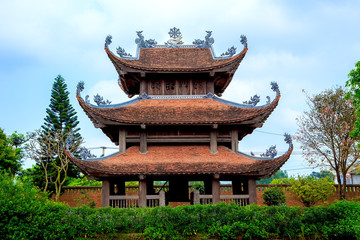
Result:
[[322, 174], [354, 95], [9, 155], [310, 190], [47, 149], [278, 175], [324, 133], [59, 123]]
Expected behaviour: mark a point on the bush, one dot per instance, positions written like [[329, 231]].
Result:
[[274, 196], [310, 190], [26, 214]]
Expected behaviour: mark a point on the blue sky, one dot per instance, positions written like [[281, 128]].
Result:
[[310, 45]]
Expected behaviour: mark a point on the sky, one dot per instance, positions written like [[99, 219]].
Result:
[[302, 45]]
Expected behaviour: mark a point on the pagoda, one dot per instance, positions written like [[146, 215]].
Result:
[[177, 128]]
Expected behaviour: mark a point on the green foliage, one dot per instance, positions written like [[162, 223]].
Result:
[[9, 156], [26, 214], [325, 132], [322, 174], [353, 83], [283, 181], [278, 175], [274, 196], [60, 121], [82, 181], [310, 190]]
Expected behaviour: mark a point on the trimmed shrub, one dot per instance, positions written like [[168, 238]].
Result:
[[310, 190], [274, 196]]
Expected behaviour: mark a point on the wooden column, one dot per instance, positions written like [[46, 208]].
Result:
[[213, 140], [234, 140], [142, 192], [122, 140], [216, 189], [143, 142], [210, 86], [105, 193], [143, 86], [162, 201], [252, 191], [196, 196]]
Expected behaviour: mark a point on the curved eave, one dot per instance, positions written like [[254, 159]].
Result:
[[131, 113], [194, 162]]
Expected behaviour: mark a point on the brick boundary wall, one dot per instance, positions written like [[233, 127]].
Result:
[[76, 196]]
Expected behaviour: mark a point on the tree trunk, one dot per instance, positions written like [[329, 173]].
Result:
[[343, 188], [340, 186]]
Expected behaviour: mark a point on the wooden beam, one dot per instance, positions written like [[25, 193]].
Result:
[[122, 140], [105, 193], [252, 191], [213, 142]]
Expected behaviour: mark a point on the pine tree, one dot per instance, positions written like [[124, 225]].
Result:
[[60, 119], [60, 114]]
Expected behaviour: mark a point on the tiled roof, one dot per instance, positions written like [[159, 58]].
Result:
[[176, 160], [179, 111], [175, 60]]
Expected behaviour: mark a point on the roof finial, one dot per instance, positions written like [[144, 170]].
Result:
[[243, 40], [175, 39], [108, 40]]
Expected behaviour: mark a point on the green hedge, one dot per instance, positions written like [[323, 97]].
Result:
[[25, 214]]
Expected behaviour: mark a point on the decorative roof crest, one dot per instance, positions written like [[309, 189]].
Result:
[[253, 100], [207, 43], [100, 100], [271, 152], [175, 38], [142, 43], [243, 40], [108, 40], [122, 52], [175, 41], [288, 138], [85, 153], [230, 52]]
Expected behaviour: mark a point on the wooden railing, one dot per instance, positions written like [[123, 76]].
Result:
[[123, 201], [240, 200]]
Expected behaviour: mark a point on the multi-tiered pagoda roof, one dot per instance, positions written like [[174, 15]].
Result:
[[167, 101]]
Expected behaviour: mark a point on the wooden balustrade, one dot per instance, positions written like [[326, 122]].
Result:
[[131, 198]]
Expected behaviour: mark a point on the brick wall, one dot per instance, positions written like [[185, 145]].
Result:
[[76, 196]]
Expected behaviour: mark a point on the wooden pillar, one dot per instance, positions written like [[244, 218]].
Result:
[[196, 196], [210, 86], [162, 202], [105, 193], [122, 140], [143, 86], [142, 192], [215, 189], [143, 142], [252, 190], [213, 141], [234, 140]]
